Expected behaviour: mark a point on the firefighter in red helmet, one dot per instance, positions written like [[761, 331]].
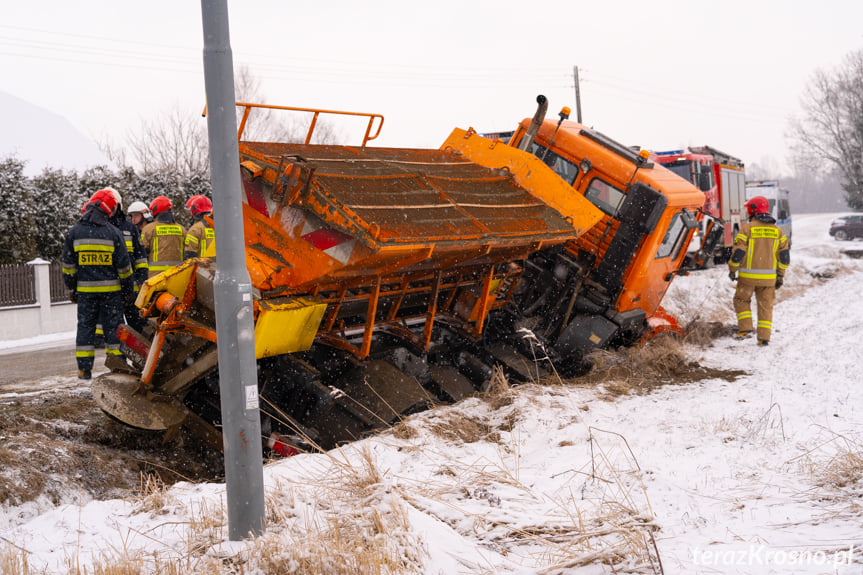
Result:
[[200, 239], [96, 266], [759, 259], [163, 238]]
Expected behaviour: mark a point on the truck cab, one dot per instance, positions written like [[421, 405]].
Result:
[[627, 260]]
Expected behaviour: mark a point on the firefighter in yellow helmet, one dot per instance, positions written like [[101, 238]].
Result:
[[759, 259], [201, 238], [163, 238]]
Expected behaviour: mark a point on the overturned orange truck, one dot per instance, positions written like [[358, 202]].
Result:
[[386, 280]]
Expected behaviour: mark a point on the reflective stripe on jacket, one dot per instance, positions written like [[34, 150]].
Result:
[[94, 256], [137, 253], [200, 241], [165, 243], [759, 243]]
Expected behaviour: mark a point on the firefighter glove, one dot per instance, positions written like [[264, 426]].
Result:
[[779, 281], [73, 296], [732, 275]]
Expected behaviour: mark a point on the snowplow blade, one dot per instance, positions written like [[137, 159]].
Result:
[[121, 396]]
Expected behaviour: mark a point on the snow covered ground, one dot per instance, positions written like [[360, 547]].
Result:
[[759, 473]]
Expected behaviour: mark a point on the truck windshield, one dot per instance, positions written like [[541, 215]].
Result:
[[564, 168]]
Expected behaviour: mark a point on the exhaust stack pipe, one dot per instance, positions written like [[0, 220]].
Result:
[[538, 118]]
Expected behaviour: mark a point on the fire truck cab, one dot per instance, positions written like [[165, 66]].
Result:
[[722, 179]]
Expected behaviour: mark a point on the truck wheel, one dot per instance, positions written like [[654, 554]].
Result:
[[841, 235]]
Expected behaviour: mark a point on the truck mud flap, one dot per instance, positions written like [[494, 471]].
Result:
[[380, 394], [584, 334], [452, 384], [517, 365]]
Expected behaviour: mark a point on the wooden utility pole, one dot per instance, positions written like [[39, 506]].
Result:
[[577, 94]]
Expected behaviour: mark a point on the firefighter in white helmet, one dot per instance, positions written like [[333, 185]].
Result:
[[140, 214]]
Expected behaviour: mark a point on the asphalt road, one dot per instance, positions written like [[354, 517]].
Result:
[[21, 367]]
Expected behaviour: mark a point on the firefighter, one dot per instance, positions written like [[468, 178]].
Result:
[[97, 268], [140, 215], [759, 259], [201, 238], [138, 255], [139, 273], [163, 238]]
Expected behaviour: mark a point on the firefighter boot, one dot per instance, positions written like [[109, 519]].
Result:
[[763, 342], [743, 334], [84, 374]]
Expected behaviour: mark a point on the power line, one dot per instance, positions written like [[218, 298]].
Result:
[[621, 85]]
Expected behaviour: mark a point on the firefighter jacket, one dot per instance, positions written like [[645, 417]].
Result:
[[95, 258], [200, 240], [137, 253], [163, 239], [760, 252]]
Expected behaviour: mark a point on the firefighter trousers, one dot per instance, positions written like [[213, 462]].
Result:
[[132, 319], [90, 306], [764, 297]]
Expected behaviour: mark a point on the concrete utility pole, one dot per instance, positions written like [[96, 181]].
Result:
[[577, 95], [238, 376]]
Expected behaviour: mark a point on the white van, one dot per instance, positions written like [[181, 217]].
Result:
[[777, 197]]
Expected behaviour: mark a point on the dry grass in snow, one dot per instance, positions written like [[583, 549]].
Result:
[[368, 508]]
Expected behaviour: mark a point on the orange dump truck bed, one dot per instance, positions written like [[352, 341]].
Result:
[[327, 213]]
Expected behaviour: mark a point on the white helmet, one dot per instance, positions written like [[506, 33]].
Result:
[[138, 207]]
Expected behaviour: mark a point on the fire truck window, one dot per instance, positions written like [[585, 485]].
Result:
[[682, 169], [564, 168], [673, 239], [603, 195], [783, 210]]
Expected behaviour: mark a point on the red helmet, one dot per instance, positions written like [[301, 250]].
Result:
[[199, 204], [757, 205], [104, 199], [160, 204]]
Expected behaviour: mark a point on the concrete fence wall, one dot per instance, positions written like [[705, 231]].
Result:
[[41, 318]]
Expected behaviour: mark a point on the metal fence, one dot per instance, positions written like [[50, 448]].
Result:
[[59, 291], [17, 285]]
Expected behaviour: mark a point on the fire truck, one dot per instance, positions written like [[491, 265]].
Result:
[[722, 178], [777, 201]]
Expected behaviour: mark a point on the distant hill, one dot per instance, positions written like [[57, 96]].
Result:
[[42, 138]]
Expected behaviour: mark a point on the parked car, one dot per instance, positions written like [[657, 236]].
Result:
[[847, 227]]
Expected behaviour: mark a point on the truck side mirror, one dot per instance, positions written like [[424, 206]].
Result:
[[704, 181]]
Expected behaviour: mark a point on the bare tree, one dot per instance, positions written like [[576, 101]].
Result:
[[268, 125], [830, 133], [175, 142]]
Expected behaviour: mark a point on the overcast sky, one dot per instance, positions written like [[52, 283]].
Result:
[[660, 75]]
